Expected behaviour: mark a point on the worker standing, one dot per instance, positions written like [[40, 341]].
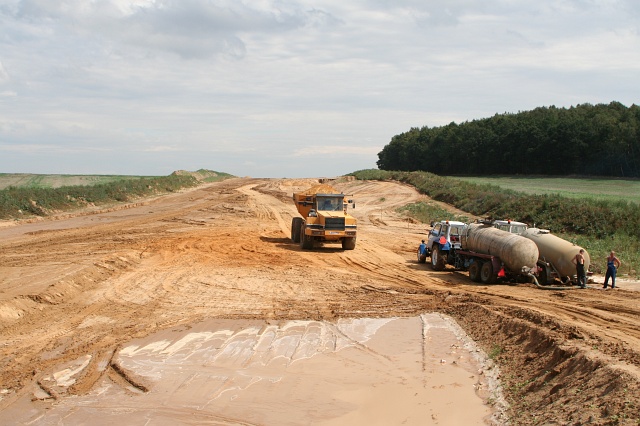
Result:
[[613, 263], [580, 272]]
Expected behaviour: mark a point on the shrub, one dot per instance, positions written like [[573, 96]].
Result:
[[16, 202]]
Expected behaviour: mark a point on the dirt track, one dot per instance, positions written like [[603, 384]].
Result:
[[89, 284]]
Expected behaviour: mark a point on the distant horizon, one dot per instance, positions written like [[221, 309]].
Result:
[[461, 176]]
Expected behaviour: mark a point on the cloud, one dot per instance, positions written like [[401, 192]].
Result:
[[48, 148], [269, 82], [331, 150], [4, 75], [188, 28]]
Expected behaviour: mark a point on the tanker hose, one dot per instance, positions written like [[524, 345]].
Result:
[[550, 287]]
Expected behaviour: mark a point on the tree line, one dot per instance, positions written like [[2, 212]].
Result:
[[591, 140]]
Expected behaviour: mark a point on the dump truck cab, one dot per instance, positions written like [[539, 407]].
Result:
[[324, 218]]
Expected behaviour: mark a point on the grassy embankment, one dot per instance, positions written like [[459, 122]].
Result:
[[593, 223], [41, 195], [30, 180]]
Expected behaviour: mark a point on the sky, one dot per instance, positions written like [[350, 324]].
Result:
[[287, 88]]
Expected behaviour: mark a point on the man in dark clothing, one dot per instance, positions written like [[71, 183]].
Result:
[[580, 272]]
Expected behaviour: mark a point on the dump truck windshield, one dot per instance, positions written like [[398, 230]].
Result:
[[330, 203]]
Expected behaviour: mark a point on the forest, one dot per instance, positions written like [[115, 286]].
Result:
[[587, 140]]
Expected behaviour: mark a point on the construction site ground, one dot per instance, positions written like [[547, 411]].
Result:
[[196, 307]]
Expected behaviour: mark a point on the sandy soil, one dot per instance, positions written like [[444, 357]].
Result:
[[82, 288]]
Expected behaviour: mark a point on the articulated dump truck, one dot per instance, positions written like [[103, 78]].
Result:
[[324, 218]]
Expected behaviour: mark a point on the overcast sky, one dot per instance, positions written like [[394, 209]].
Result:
[[287, 88]]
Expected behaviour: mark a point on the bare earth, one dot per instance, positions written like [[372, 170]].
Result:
[[86, 296]]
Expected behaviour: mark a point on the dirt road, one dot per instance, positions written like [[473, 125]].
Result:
[[87, 285]]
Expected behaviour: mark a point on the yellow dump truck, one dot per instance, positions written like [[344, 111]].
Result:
[[324, 218]]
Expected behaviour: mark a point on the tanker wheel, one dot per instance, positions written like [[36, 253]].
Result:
[[306, 241], [438, 259], [474, 271], [349, 243], [296, 222], [487, 274]]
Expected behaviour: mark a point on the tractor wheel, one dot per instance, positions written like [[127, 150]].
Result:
[[474, 271], [487, 274], [349, 243], [306, 241], [295, 229], [438, 259]]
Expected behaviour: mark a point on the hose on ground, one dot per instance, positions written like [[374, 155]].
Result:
[[551, 287]]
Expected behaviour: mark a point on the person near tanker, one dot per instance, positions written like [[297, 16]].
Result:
[[613, 263], [422, 249], [578, 260]]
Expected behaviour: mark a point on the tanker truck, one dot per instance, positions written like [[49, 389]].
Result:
[[486, 252], [324, 218], [556, 255]]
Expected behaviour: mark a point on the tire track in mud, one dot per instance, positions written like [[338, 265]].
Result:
[[619, 321], [223, 251], [271, 206], [56, 326]]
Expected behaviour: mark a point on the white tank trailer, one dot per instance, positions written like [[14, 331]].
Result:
[[518, 254], [556, 256]]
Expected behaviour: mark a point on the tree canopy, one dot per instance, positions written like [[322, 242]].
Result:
[[595, 140]]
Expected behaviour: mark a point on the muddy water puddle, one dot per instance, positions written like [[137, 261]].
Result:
[[384, 371]]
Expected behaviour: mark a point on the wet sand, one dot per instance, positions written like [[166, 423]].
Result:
[[410, 371], [94, 308]]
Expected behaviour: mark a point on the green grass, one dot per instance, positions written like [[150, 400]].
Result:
[[211, 176], [42, 195], [627, 248], [598, 189], [496, 350], [28, 180]]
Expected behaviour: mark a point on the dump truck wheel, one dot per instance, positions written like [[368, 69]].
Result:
[[487, 274], [296, 222], [306, 241], [474, 271], [349, 243], [437, 259]]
